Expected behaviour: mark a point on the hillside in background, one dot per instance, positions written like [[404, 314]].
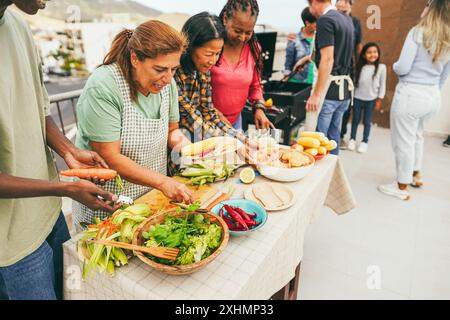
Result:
[[98, 9]]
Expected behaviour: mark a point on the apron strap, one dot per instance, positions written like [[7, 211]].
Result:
[[340, 82], [122, 84]]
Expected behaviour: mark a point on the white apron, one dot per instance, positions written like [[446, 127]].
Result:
[[142, 140], [313, 116]]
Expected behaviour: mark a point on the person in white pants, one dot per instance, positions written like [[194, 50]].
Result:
[[423, 68]]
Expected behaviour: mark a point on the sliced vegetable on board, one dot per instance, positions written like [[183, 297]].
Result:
[[222, 197], [206, 172]]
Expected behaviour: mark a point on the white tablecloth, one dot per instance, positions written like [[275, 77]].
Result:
[[251, 267]]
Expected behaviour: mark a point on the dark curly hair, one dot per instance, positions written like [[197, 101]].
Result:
[[230, 8]]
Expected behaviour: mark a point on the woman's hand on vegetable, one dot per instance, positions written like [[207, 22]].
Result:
[[176, 191], [92, 196], [261, 120], [79, 159]]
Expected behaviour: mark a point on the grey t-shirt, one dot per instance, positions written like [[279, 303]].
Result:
[[371, 86]]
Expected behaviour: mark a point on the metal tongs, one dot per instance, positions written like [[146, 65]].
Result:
[[286, 79]]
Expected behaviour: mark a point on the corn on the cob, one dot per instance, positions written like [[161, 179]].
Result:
[[322, 150], [312, 151], [198, 147], [324, 142], [309, 142], [298, 147], [331, 145], [316, 135]]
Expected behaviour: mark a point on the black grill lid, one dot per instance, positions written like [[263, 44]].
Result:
[[268, 42]]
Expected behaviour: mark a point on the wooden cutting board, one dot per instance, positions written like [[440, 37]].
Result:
[[158, 202]]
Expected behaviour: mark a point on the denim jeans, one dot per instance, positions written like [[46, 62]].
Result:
[[39, 276], [345, 119], [238, 124], [359, 108], [330, 120]]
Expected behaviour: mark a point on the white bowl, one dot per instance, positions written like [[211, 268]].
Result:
[[286, 174]]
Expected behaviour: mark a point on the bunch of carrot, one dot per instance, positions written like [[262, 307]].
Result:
[[237, 219]]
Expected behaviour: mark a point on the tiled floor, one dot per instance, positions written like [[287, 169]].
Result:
[[385, 248]]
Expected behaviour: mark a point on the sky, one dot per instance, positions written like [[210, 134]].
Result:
[[284, 15]]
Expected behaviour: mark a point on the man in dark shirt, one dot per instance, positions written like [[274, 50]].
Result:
[[335, 48], [345, 6]]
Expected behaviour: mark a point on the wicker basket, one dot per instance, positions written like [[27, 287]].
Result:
[[184, 269]]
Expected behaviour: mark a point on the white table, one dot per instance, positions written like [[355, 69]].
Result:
[[250, 267]]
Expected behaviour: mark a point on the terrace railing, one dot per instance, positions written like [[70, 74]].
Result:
[[60, 101]]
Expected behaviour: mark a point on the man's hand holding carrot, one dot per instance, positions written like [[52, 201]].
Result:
[[80, 159]]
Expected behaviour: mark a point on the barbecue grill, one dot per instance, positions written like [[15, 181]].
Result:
[[290, 98], [294, 95]]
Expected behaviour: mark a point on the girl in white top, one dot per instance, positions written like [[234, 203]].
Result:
[[370, 90], [423, 68]]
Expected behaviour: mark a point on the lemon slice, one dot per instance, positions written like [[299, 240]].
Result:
[[247, 175]]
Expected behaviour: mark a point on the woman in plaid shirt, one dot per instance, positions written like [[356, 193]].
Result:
[[198, 117]]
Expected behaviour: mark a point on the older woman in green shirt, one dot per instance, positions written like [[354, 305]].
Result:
[[128, 113]]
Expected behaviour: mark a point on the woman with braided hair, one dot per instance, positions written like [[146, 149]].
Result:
[[237, 76]]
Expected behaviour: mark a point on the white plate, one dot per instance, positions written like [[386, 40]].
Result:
[[284, 174], [248, 194]]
